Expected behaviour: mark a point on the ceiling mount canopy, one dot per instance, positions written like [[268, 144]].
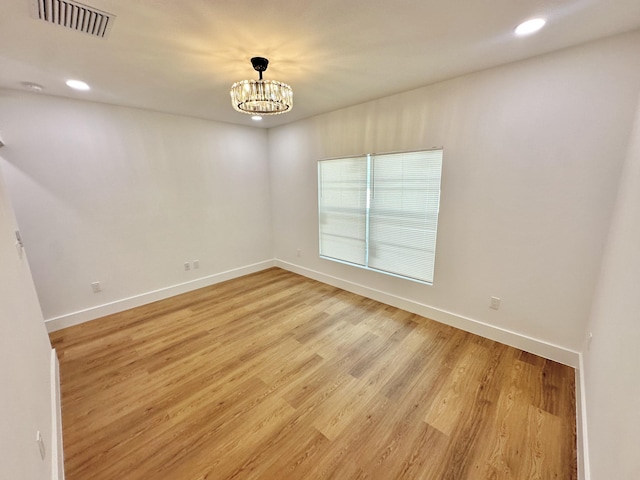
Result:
[[261, 97], [260, 65]]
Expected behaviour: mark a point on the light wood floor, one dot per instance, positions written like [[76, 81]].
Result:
[[275, 376]]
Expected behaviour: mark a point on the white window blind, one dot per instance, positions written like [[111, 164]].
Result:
[[342, 209], [403, 216], [381, 211]]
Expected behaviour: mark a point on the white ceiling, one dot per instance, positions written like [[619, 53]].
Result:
[[181, 56]]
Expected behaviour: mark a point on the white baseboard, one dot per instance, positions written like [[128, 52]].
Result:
[[57, 453], [584, 472], [536, 346], [508, 337], [532, 345], [539, 347], [76, 318]]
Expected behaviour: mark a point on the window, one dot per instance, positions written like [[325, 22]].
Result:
[[380, 212]]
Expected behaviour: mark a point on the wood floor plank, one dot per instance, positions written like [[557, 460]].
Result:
[[276, 376], [453, 396]]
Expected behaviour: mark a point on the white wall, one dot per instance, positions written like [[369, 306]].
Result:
[[25, 354], [611, 361], [532, 156], [125, 197]]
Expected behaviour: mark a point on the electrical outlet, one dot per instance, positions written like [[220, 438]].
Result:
[[495, 303], [196, 264], [96, 287], [589, 340], [40, 442], [187, 266], [298, 253]]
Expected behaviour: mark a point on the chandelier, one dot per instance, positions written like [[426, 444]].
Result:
[[261, 97]]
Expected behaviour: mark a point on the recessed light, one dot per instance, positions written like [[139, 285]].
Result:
[[256, 118], [530, 26], [34, 87], [78, 85]]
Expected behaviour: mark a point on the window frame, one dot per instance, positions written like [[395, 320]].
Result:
[[370, 179]]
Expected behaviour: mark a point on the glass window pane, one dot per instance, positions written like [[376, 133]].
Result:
[[342, 192], [403, 218]]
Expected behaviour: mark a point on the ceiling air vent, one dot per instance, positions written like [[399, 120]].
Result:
[[74, 15]]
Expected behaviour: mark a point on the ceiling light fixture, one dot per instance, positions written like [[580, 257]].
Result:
[[530, 26], [256, 118], [78, 85], [261, 97]]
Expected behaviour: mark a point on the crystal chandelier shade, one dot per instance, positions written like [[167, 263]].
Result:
[[261, 97]]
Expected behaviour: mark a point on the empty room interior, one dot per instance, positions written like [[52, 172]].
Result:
[[319, 240]]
